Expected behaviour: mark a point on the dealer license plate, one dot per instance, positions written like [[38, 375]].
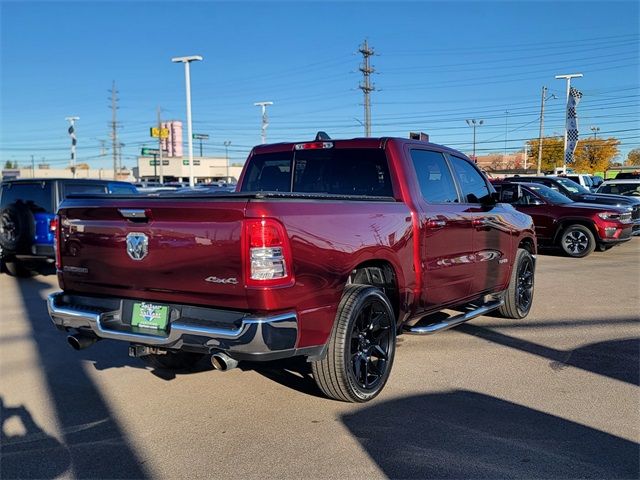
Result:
[[148, 315]]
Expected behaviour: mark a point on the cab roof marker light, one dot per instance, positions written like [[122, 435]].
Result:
[[313, 145]]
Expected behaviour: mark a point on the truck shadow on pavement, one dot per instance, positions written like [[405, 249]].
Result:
[[96, 444], [21, 436], [463, 434], [618, 359]]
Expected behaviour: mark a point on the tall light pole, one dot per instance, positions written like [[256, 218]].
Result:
[[506, 125], [265, 119], [187, 79], [542, 103], [595, 131], [226, 155], [74, 141], [568, 77], [473, 123]]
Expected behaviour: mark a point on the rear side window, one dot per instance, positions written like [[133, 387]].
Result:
[[474, 188], [122, 188], [434, 177], [36, 195], [332, 171]]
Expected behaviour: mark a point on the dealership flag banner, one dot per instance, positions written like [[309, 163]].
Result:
[[572, 124]]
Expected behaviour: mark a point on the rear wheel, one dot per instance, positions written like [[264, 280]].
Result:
[[519, 296], [577, 241], [361, 348], [174, 360]]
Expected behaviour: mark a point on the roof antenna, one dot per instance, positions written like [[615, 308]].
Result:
[[322, 136]]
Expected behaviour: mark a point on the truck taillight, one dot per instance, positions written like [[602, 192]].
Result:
[[54, 228], [268, 255]]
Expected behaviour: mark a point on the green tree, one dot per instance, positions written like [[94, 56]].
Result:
[[633, 158], [9, 164]]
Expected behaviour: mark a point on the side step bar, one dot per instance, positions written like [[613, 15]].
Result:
[[457, 320]]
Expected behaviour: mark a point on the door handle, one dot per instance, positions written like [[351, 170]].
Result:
[[436, 223], [480, 222]]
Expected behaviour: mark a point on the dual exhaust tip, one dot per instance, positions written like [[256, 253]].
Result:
[[220, 361]]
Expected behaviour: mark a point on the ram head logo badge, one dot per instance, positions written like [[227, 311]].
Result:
[[137, 245]]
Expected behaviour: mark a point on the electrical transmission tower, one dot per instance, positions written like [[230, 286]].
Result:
[[366, 86], [114, 128]]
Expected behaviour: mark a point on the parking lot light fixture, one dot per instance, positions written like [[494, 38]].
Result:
[[187, 77], [473, 123]]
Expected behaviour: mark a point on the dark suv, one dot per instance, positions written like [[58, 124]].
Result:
[[27, 208]]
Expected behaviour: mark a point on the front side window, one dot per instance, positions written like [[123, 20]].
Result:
[[474, 188], [434, 177]]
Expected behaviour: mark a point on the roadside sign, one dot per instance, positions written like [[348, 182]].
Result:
[[200, 136], [154, 163], [150, 151], [159, 132]]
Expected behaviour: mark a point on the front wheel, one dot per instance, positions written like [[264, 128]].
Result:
[[577, 241], [361, 348], [519, 296]]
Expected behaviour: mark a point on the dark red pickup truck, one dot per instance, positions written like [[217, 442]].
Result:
[[328, 250]]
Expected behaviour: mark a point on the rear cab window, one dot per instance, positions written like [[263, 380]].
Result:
[[334, 171], [76, 188]]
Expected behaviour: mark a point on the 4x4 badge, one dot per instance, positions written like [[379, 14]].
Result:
[[137, 245]]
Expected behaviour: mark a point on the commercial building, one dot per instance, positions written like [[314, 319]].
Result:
[[176, 169]]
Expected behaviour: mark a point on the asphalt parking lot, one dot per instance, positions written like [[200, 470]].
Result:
[[552, 396]]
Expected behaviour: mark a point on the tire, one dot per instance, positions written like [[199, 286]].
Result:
[[361, 348], [173, 360], [603, 248], [17, 228], [518, 298], [16, 268], [577, 241]]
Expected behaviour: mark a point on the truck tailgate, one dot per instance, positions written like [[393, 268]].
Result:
[[193, 249]]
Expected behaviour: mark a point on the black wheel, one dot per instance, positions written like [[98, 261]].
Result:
[[174, 360], [361, 348], [577, 241], [16, 268], [17, 228], [519, 296]]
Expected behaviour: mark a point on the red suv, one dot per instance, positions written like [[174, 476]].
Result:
[[578, 228]]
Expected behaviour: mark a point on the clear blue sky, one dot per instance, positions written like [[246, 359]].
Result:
[[438, 64]]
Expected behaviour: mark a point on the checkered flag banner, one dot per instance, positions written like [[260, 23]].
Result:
[[74, 141], [572, 124]]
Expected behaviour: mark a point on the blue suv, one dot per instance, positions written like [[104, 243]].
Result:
[[27, 207]]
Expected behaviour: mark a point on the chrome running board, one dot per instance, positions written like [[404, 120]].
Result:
[[457, 320]]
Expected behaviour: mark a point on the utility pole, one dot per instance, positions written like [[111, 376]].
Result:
[[226, 155], [265, 119], [114, 128], [366, 86], [74, 141], [187, 80], [506, 124], [473, 123], [543, 101], [159, 145], [568, 77], [595, 131], [33, 167], [120, 145]]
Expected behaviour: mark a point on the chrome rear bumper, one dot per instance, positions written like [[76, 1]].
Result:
[[270, 336]]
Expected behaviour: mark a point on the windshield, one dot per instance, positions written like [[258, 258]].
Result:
[[572, 186], [550, 195]]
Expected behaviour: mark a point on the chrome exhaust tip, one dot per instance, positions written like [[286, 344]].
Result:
[[80, 342], [223, 362]]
